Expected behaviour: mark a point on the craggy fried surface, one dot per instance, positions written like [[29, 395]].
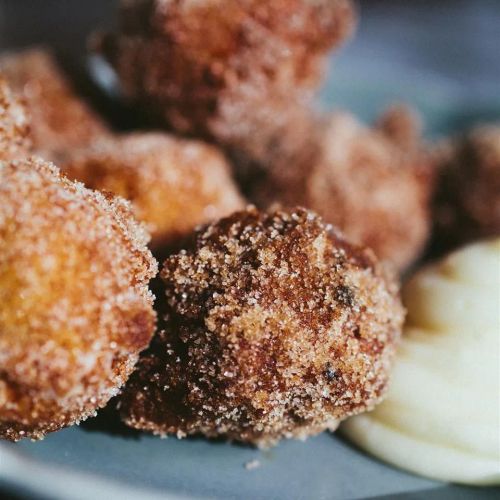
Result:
[[276, 327], [375, 183], [173, 184], [467, 205], [260, 139], [243, 74], [75, 310], [14, 125], [60, 120], [185, 60]]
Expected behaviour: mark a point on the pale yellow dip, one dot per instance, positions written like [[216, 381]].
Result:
[[441, 418]]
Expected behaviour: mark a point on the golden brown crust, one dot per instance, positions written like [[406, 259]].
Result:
[[467, 204], [185, 59], [375, 183], [174, 184], [60, 120], [75, 309], [14, 125], [276, 327]]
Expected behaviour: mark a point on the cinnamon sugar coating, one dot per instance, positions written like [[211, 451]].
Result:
[[467, 204], [173, 184], [14, 125], [375, 184], [276, 327], [60, 120], [75, 309], [187, 61]]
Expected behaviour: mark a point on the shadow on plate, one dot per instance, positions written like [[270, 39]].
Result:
[[108, 421]]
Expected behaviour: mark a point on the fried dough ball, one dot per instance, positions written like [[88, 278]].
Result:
[[173, 184], [14, 125], [375, 183], [75, 310], [59, 118], [185, 59], [468, 200], [276, 327]]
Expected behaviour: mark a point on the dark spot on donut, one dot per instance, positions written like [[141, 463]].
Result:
[[330, 372], [344, 295]]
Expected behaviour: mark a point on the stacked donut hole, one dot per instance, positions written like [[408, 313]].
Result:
[[189, 62], [373, 183], [467, 204], [174, 184], [59, 119], [275, 327], [75, 309]]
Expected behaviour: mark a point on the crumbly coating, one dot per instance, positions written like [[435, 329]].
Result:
[[14, 125], [185, 58], [276, 327], [174, 184], [75, 309], [59, 118], [261, 138], [375, 184], [467, 204]]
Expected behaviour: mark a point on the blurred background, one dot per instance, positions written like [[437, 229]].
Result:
[[441, 55]]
